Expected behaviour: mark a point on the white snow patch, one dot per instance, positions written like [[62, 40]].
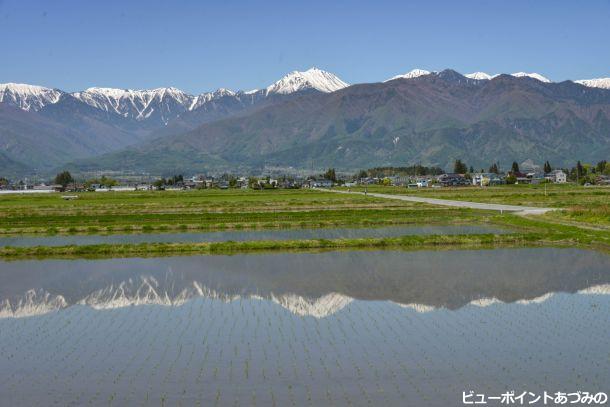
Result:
[[602, 83], [419, 308], [313, 78], [485, 302], [537, 300], [532, 75], [481, 76], [32, 303], [315, 307], [414, 73], [601, 289], [28, 97]]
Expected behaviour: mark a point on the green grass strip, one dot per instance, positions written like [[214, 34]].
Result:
[[231, 247]]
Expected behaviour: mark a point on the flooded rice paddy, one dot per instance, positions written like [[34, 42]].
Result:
[[334, 328], [244, 235]]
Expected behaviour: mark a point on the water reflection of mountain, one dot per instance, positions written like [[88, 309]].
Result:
[[307, 284]]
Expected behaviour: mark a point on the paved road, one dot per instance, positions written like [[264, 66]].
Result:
[[519, 210]]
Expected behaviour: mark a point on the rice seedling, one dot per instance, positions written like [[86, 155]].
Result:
[[230, 348]]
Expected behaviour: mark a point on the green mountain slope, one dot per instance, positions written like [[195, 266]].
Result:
[[430, 120]]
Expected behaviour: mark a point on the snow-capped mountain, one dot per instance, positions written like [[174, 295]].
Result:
[[532, 75], [169, 103], [475, 75], [33, 302], [485, 76], [313, 78], [414, 73], [28, 97], [481, 76], [165, 103], [207, 97], [320, 307], [147, 290], [603, 83]]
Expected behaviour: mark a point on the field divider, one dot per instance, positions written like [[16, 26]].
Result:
[[411, 242]]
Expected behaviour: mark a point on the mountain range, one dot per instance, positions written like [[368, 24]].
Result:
[[314, 285], [304, 120]]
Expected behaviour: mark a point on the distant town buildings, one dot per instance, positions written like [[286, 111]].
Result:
[[529, 173]]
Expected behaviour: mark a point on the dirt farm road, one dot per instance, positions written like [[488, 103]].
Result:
[[519, 210]]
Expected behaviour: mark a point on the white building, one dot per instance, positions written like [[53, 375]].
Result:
[[484, 179], [557, 176]]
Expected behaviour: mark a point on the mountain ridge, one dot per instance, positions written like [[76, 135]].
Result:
[[431, 119], [87, 128]]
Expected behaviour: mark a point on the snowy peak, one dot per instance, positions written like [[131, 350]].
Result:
[[414, 73], [33, 302], [480, 76], [164, 103], [475, 75], [28, 97], [313, 78], [207, 97], [147, 290], [602, 83], [321, 307], [532, 75]]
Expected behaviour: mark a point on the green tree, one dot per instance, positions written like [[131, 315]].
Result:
[[160, 183], [459, 167], [494, 168], [515, 167], [580, 171], [253, 183], [330, 175], [601, 167], [547, 167], [511, 179], [107, 182], [64, 179], [3, 182], [471, 170]]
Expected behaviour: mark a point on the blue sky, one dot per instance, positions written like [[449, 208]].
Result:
[[202, 45]]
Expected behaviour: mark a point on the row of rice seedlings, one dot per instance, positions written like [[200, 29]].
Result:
[[381, 351]]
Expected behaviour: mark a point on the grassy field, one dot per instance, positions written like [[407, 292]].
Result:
[[526, 233], [117, 212], [584, 220], [587, 205]]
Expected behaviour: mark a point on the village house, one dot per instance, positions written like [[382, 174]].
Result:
[[521, 178], [320, 183], [484, 179], [452, 180], [262, 183], [422, 183], [367, 181], [242, 182], [602, 179], [557, 176]]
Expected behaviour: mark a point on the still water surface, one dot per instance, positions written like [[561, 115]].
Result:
[[342, 328], [243, 235]]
